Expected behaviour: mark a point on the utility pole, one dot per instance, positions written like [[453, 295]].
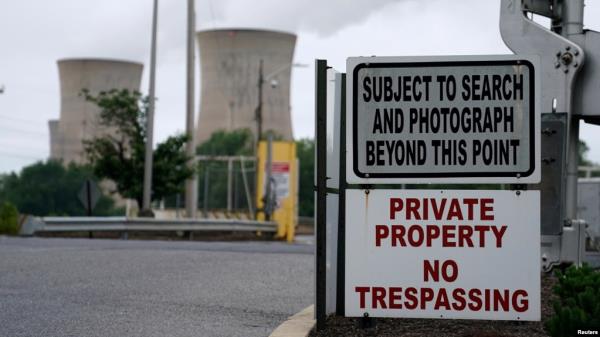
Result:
[[191, 185], [259, 114], [261, 81], [150, 118], [258, 117]]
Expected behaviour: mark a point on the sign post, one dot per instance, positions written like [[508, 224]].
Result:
[[89, 195], [321, 191]]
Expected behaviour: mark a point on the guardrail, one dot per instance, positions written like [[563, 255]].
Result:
[[32, 225], [592, 258], [306, 220]]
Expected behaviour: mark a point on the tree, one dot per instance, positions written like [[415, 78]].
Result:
[[9, 219], [583, 150], [118, 155], [3, 179], [238, 142], [227, 143], [49, 188], [305, 150]]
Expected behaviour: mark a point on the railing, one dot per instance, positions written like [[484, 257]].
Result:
[[588, 171], [33, 225]]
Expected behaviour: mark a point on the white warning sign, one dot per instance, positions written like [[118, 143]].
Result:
[[452, 119], [443, 254], [280, 181]]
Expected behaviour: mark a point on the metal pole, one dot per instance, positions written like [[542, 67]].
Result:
[[88, 194], [340, 305], [267, 202], [572, 26], [297, 204], [246, 188], [150, 118], [572, 22], [235, 190], [229, 184], [259, 116], [177, 204], [191, 185], [321, 197], [206, 191]]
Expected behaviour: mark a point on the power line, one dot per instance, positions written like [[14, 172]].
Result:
[[23, 131], [21, 149], [19, 119], [8, 154]]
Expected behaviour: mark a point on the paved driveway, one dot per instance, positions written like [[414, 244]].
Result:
[[79, 287]]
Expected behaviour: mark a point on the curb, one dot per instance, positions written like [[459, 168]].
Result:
[[298, 325]]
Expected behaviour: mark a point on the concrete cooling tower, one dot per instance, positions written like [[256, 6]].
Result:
[[229, 71], [78, 118]]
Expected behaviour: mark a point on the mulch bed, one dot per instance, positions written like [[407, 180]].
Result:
[[405, 327]]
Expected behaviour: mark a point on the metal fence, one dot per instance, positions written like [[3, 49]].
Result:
[[227, 183], [226, 188]]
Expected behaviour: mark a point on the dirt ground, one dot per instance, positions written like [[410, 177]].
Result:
[[403, 327]]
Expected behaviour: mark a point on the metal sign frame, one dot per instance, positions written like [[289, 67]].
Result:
[[531, 175]]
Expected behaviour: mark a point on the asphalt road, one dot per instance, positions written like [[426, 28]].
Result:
[[79, 287]]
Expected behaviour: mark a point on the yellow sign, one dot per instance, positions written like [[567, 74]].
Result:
[[283, 189]]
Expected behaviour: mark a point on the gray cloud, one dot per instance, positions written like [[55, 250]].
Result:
[[323, 17], [34, 34]]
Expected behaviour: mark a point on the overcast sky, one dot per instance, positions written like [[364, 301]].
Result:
[[34, 34]]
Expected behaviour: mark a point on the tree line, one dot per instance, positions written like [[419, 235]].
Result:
[[51, 188]]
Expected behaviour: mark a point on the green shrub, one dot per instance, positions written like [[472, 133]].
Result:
[[9, 219], [578, 304]]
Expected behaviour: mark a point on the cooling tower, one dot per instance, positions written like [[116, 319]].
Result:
[[78, 118], [229, 71], [55, 141]]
